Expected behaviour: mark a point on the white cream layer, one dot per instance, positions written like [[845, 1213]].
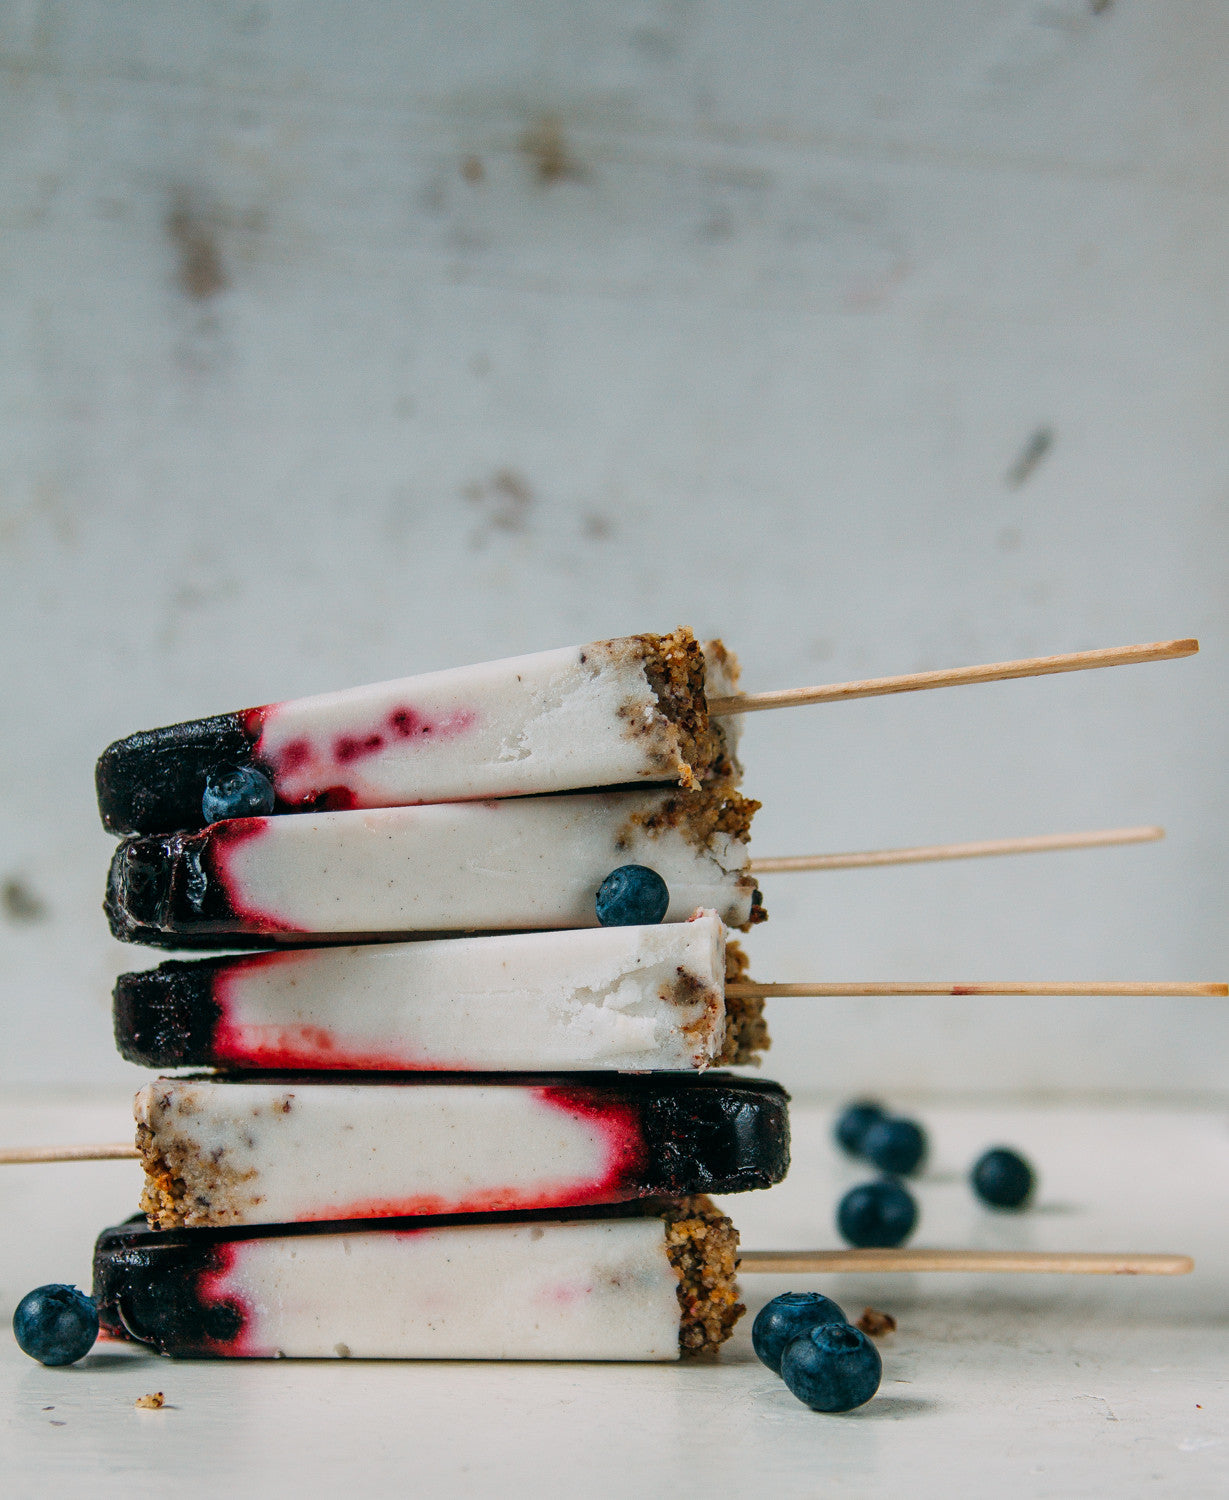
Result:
[[524, 862], [265, 1153], [587, 1290], [638, 998], [578, 716]]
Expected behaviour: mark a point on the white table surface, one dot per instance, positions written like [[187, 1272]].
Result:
[[1021, 1386]]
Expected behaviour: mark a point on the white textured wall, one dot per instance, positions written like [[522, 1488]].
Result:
[[343, 340]]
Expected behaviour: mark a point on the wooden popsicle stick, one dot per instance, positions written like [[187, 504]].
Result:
[[920, 853], [912, 682], [749, 990], [13, 1156], [1034, 1262]]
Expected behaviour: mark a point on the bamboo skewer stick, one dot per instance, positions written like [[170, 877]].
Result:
[[748, 990], [921, 853], [1034, 1262], [13, 1156], [912, 682]]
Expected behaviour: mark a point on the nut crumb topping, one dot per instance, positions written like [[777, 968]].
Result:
[[184, 1188], [875, 1323], [681, 740], [746, 1030], [701, 815], [703, 1248]]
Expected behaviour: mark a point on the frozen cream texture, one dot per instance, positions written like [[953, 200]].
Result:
[[595, 715], [604, 998], [518, 863], [582, 1290]]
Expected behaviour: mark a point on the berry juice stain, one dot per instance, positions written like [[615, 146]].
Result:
[[315, 771], [621, 1175], [220, 1306]]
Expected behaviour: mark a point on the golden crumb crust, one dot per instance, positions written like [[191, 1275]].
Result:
[[701, 815], [703, 1248], [746, 1030], [185, 1190], [680, 740], [162, 1196]]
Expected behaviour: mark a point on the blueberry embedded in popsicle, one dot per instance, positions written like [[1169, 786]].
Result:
[[632, 896], [55, 1324], [237, 792], [153, 781], [788, 1317], [833, 1367], [876, 1215], [1002, 1178]]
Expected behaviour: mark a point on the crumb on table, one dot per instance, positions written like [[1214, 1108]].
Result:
[[876, 1323], [152, 1402]]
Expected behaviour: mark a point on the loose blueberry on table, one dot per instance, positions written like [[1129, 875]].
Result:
[[895, 1146], [241, 792], [876, 1215], [1002, 1178], [786, 1318], [56, 1325], [833, 1367], [632, 896], [853, 1123]]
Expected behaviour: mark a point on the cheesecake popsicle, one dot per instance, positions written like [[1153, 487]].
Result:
[[612, 712], [652, 1284], [287, 1150], [604, 998], [517, 863]]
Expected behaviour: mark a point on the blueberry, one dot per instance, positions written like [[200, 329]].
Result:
[[895, 1146], [853, 1123], [631, 895], [241, 792], [56, 1325], [876, 1214], [785, 1318], [834, 1367], [1002, 1178]]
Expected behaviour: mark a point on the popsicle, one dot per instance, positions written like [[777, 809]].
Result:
[[625, 998], [602, 1284], [625, 710], [631, 1282], [519, 863], [289, 1149]]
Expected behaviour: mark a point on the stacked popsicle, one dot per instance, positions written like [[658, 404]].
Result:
[[416, 1143]]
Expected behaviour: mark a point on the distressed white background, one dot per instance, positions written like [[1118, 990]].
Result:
[[344, 340]]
